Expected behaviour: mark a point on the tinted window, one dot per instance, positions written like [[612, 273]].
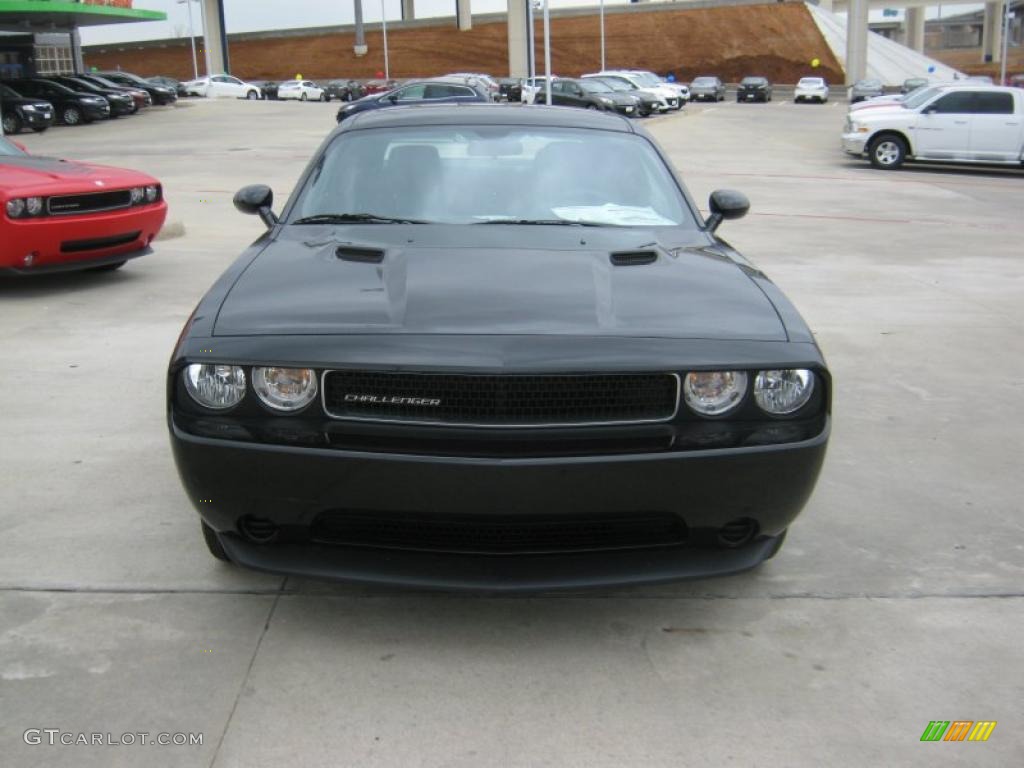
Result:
[[471, 174], [412, 93], [956, 103], [993, 103], [8, 93]]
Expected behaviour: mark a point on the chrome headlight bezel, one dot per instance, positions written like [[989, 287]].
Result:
[[699, 387], [202, 379], [269, 394], [784, 391]]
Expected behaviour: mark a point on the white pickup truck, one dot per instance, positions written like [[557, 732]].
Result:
[[968, 123]]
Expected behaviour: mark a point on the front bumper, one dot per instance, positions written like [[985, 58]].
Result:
[[752, 95], [292, 486], [59, 243], [853, 143], [37, 119], [95, 111]]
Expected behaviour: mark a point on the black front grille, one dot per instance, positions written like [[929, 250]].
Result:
[[501, 400], [77, 246], [67, 205], [497, 535]]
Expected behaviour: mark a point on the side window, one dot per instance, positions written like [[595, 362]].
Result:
[[993, 103], [412, 93], [220, 79], [232, 80], [437, 91], [957, 103]]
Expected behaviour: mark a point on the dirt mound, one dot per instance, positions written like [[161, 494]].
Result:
[[777, 40]]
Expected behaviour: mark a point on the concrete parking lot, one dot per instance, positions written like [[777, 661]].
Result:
[[896, 600]]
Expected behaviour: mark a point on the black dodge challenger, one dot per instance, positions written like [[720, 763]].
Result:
[[495, 349]]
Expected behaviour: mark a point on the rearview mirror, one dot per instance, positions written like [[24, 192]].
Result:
[[257, 199], [726, 204]]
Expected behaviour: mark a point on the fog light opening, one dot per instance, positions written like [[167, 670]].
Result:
[[737, 532], [257, 529], [29, 259]]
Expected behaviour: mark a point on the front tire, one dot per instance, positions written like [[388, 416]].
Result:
[[213, 543], [11, 123], [252, 96], [303, 97], [887, 152]]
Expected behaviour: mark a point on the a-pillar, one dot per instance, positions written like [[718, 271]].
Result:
[[914, 23], [518, 39], [992, 32], [856, 41], [215, 41], [408, 10], [464, 14]]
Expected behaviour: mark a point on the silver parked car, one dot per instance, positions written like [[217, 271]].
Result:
[[866, 89]]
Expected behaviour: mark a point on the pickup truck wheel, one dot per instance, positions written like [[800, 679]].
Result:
[[213, 543], [887, 152]]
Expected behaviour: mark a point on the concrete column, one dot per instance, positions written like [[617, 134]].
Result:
[[992, 32], [464, 14], [856, 41], [76, 51], [215, 41], [408, 10], [359, 45], [518, 39], [914, 24]]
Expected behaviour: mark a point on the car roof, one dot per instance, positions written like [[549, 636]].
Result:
[[484, 114]]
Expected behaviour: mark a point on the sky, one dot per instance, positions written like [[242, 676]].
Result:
[[254, 15]]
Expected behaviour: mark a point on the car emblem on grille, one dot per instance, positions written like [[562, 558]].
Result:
[[391, 400]]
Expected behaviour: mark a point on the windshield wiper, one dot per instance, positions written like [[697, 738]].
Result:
[[549, 222], [355, 218]]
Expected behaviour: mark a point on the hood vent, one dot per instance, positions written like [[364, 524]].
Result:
[[360, 255], [633, 258]]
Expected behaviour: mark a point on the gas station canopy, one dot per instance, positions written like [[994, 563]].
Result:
[[30, 16]]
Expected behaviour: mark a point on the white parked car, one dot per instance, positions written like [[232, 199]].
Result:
[[531, 87], [946, 123], [300, 90], [649, 79], [222, 86], [667, 99], [811, 89]]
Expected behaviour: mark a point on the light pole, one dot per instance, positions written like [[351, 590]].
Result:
[[547, 55], [359, 47], [1006, 35], [531, 43], [384, 29], [602, 35], [192, 37]]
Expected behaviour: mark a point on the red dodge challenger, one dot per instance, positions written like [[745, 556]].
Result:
[[59, 215]]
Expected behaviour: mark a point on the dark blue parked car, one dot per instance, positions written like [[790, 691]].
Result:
[[439, 91]]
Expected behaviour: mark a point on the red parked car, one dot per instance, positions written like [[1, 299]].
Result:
[[58, 215]]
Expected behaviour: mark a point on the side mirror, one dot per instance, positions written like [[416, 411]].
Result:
[[257, 199], [726, 204]]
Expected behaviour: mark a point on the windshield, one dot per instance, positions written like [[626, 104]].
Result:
[[704, 81], [8, 93], [493, 174], [104, 81], [617, 85], [753, 81], [869, 84], [916, 98], [593, 86], [811, 81], [648, 78]]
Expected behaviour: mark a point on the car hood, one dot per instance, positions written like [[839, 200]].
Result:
[[37, 103], [30, 175], [498, 280]]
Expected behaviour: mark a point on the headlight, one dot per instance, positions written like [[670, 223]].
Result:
[[28, 108], [15, 208], [152, 191], [782, 392], [34, 205], [606, 100], [712, 393], [215, 386], [285, 389], [137, 195]]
